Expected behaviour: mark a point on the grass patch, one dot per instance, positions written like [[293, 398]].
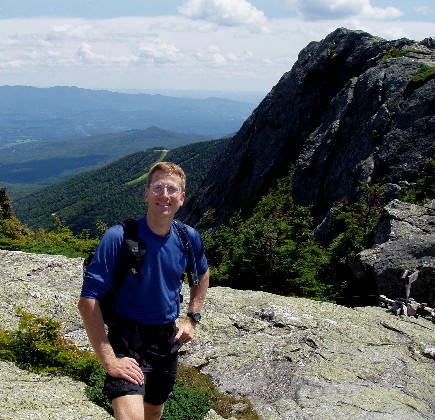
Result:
[[223, 404], [423, 75], [393, 53], [397, 53]]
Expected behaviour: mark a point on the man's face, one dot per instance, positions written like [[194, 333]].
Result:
[[164, 195]]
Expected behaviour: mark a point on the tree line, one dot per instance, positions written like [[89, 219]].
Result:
[[274, 249]]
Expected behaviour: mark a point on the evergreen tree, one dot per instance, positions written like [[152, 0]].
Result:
[[5, 205]]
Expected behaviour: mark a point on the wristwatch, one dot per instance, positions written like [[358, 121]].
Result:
[[196, 316]]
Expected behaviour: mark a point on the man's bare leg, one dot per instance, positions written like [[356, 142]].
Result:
[[129, 407], [132, 407]]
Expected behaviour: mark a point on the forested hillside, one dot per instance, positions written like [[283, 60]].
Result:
[[44, 162], [114, 192]]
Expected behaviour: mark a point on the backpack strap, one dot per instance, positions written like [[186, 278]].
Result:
[[192, 272], [131, 259], [133, 250]]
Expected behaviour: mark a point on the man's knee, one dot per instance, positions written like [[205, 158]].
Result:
[[153, 412], [129, 407]]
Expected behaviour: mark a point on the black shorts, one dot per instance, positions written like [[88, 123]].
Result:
[[154, 349]]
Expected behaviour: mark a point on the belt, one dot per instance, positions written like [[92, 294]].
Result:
[[145, 328]]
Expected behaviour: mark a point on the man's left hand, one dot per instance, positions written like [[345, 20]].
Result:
[[186, 330]]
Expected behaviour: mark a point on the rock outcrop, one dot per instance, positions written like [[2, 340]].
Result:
[[404, 241], [293, 358], [344, 114], [353, 110]]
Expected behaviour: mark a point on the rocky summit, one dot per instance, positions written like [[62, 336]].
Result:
[[293, 358], [353, 109]]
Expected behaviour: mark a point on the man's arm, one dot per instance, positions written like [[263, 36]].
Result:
[[126, 368], [198, 293], [186, 328]]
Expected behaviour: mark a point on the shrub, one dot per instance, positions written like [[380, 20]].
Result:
[[392, 53], [354, 222], [273, 250], [186, 404], [423, 189], [38, 346], [397, 53]]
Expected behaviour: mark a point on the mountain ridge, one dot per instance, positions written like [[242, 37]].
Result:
[[42, 163], [68, 112]]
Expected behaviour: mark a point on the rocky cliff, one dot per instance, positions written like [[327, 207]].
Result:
[[293, 358], [353, 109], [350, 110]]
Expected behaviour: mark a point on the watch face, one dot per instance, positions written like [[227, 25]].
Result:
[[196, 316]]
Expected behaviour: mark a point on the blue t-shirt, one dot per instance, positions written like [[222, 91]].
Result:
[[153, 298]]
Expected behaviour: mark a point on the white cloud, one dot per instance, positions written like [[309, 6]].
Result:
[[11, 65], [87, 55], [223, 12], [71, 31], [337, 9], [423, 10], [174, 52], [379, 13], [218, 59], [157, 50]]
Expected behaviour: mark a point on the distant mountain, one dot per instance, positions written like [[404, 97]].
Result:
[[60, 113], [43, 162], [114, 192]]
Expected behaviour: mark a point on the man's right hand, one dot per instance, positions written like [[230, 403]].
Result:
[[126, 368]]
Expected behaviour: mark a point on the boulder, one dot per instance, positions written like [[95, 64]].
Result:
[[404, 242]]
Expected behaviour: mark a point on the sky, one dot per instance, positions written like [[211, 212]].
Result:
[[200, 45]]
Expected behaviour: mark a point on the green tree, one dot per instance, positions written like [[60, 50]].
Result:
[[12, 232], [423, 189], [354, 222], [273, 250], [5, 205]]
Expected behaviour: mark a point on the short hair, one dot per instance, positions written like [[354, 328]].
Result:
[[170, 168]]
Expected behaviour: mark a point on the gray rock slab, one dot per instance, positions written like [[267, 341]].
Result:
[[293, 358]]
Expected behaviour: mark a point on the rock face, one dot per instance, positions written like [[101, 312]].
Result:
[[26, 395], [405, 240], [342, 116], [49, 286], [299, 359], [45, 285], [345, 114], [293, 358]]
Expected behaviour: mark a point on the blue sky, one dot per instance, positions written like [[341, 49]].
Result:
[[219, 45]]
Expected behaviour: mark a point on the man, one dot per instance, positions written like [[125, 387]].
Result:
[[140, 354]]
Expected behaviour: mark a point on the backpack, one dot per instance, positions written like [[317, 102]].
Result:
[[133, 254]]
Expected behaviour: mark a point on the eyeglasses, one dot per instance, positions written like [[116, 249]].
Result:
[[172, 190]]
